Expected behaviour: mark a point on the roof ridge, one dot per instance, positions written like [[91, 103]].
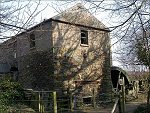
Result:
[[73, 8]]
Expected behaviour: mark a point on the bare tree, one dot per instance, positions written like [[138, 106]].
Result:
[[130, 20], [17, 16], [126, 19]]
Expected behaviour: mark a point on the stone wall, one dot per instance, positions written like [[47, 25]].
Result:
[[60, 62], [35, 64], [43, 40], [8, 51], [36, 71], [81, 68]]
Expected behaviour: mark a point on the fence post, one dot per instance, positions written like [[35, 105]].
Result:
[[55, 101], [71, 101], [119, 104], [42, 102], [39, 102], [75, 102], [122, 96], [94, 102]]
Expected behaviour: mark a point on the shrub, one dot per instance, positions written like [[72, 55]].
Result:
[[10, 92]]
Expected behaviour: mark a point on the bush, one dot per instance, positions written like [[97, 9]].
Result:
[[10, 92]]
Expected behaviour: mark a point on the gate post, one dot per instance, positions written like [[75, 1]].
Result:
[[94, 99], [71, 102], [122, 96], [39, 97], [55, 101]]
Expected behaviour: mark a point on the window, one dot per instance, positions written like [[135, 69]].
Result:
[[84, 37], [32, 41], [87, 100]]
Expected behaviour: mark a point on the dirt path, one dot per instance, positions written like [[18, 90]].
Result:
[[130, 107]]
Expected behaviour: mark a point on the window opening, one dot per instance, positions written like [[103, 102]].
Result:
[[84, 37], [32, 40], [87, 100]]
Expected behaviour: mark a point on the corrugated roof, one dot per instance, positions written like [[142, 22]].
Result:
[[4, 68]]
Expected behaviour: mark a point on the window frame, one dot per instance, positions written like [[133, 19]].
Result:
[[84, 39]]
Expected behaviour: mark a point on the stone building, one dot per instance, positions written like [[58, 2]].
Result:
[[69, 52]]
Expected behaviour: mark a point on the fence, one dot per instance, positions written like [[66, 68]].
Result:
[[34, 101], [48, 102], [55, 102], [51, 102]]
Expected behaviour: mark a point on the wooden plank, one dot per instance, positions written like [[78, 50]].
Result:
[[55, 102], [114, 107]]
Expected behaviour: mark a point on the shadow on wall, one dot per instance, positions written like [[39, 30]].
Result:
[[37, 72], [105, 92], [81, 69]]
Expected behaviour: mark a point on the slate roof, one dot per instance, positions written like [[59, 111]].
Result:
[[77, 15]]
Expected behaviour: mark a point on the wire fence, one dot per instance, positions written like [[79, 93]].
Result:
[[55, 102], [51, 102]]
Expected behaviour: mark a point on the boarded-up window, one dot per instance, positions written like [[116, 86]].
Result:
[[32, 40], [84, 37]]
